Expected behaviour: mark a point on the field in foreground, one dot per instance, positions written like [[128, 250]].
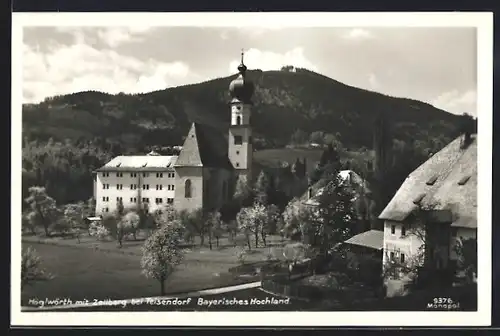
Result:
[[85, 273]]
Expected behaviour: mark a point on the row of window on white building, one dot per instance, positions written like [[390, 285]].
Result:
[[158, 175], [135, 186]]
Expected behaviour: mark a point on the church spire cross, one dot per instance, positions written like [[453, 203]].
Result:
[[242, 67]]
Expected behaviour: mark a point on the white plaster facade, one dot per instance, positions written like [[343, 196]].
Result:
[[137, 181]]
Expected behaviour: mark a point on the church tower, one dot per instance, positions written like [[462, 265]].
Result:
[[240, 149]]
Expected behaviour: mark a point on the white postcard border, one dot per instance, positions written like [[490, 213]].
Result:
[[484, 24]]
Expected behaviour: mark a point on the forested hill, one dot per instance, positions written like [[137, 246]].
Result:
[[66, 137], [284, 103]]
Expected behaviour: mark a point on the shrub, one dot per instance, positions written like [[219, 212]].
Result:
[[271, 254], [98, 231], [241, 256], [31, 268]]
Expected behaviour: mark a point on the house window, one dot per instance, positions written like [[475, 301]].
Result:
[[105, 199], [237, 152], [238, 139], [106, 209], [402, 257], [419, 198], [403, 231], [170, 200], [238, 120], [119, 174], [145, 186], [145, 200], [119, 199], [432, 180], [105, 186], [119, 186], [106, 174], [463, 180], [393, 229], [173, 187], [171, 175], [237, 164], [159, 187], [392, 256], [145, 174], [158, 200], [133, 174], [187, 189], [159, 174]]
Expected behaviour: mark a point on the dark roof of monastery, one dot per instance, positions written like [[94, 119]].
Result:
[[204, 146], [447, 182], [373, 239]]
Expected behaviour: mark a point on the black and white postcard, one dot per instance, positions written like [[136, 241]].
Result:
[[270, 169]]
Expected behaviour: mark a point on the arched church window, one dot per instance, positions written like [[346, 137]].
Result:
[[187, 189], [238, 120]]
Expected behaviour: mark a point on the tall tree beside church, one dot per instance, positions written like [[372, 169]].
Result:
[[382, 167], [261, 188], [243, 192]]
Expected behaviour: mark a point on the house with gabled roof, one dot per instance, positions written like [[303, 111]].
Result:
[[435, 206], [361, 192]]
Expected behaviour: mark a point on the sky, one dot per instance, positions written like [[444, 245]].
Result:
[[434, 65]]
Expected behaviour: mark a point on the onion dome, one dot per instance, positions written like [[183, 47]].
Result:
[[241, 89]]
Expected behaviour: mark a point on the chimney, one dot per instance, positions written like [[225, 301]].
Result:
[[468, 128]]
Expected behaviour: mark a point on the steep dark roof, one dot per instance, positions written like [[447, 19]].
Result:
[[452, 166], [204, 146]]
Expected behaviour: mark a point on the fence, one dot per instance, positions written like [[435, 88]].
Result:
[[281, 286]]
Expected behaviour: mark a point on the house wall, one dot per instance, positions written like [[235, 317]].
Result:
[[106, 199], [195, 174], [408, 244]]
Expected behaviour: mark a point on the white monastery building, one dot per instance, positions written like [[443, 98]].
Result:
[[135, 180]]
